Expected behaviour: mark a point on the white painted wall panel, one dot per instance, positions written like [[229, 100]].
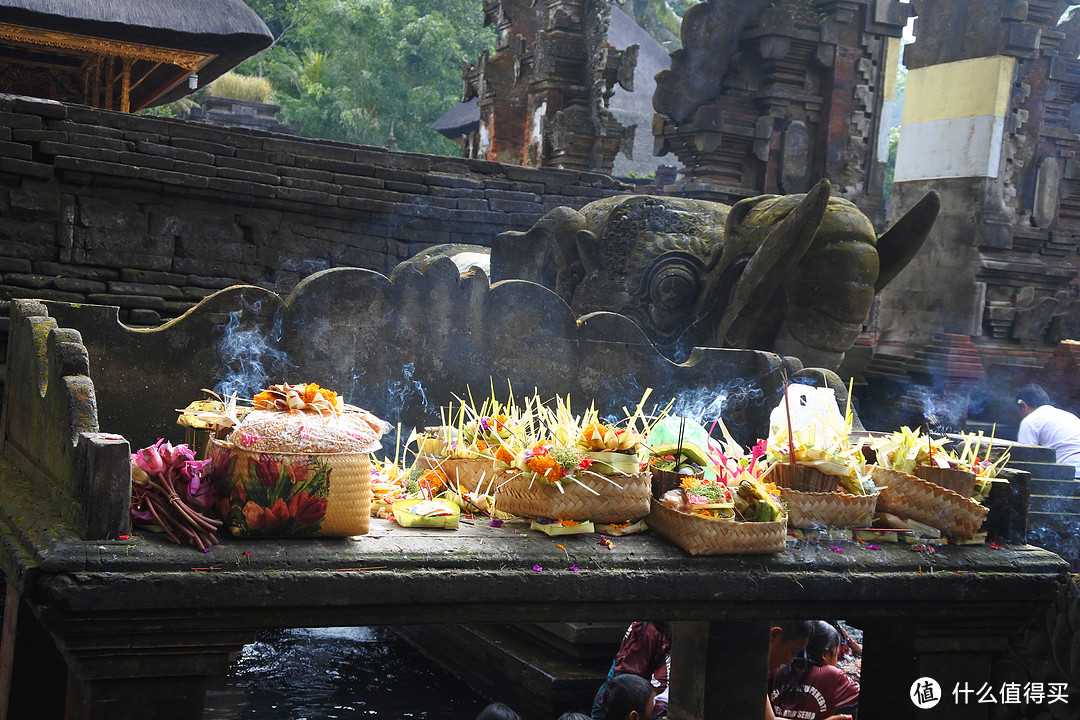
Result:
[[957, 147]]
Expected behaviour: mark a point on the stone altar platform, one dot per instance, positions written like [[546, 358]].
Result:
[[138, 624]]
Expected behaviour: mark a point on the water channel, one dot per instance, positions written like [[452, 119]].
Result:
[[325, 673]]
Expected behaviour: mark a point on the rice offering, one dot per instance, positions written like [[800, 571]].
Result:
[[297, 464]]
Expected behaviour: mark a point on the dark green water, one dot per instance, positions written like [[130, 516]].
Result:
[[322, 673]]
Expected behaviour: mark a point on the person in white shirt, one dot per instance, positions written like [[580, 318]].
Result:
[[1048, 426]]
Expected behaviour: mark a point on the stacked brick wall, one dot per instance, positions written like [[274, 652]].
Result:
[[152, 215]]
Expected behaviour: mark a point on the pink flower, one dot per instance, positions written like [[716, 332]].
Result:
[[573, 569], [149, 459], [837, 549], [248, 439], [537, 568]]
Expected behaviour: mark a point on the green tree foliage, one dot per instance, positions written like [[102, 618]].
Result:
[[661, 18], [354, 70]]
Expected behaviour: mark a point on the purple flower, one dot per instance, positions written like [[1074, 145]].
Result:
[[573, 569], [495, 522], [537, 568], [837, 549], [871, 547]]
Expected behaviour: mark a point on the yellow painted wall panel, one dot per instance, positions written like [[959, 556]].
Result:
[[966, 88], [893, 48]]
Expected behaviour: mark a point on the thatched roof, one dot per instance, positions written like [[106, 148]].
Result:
[[228, 29]]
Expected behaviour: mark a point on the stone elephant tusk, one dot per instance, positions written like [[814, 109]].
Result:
[[899, 244], [777, 257]]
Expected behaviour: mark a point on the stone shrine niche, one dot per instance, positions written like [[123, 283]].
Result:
[[769, 97], [544, 92]]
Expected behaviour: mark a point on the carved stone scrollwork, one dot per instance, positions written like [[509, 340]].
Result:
[[627, 67]]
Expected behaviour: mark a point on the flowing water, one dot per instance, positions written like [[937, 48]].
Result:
[[321, 673]]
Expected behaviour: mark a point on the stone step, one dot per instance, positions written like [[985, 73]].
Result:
[[582, 641], [546, 682], [1045, 470], [1055, 504]]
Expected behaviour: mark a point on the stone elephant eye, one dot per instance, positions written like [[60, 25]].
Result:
[[674, 284]]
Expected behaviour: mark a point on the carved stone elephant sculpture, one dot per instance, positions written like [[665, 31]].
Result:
[[794, 274]]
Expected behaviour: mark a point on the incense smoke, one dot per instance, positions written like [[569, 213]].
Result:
[[400, 391], [248, 355]]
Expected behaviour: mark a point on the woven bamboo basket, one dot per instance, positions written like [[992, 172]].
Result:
[[802, 477], [835, 509], [292, 494], [961, 482], [474, 473], [705, 536], [627, 500], [664, 480], [911, 497]]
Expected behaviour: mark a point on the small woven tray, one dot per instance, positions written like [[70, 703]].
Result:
[[911, 497], [704, 536], [962, 482], [835, 509], [476, 474], [802, 477], [627, 500]]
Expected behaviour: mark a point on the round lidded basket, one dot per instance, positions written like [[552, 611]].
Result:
[[828, 509], [699, 535], [291, 494], [606, 499]]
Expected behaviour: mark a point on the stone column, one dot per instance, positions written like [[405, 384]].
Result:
[[770, 97], [721, 669], [544, 94], [989, 123]]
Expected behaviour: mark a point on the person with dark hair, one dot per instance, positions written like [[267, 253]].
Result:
[[645, 651], [498, 711], [1043, 424], [573, 716], [629, 697], [786, 640], [812, 687]]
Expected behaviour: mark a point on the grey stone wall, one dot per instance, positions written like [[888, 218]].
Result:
[[152, 214]]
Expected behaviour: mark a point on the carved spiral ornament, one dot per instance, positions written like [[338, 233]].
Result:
[[674, 283]]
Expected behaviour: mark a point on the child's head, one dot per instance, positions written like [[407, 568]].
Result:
[[824, 644], [629, 697], [574, 716], [787, 639], [498, 711]]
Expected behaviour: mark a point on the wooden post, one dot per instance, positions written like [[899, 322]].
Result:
[[7, 647], [125, 86]]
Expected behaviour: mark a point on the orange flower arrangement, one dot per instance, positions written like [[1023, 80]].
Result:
[[433, 481], [305, 397], [504, 455], [546, 467]]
